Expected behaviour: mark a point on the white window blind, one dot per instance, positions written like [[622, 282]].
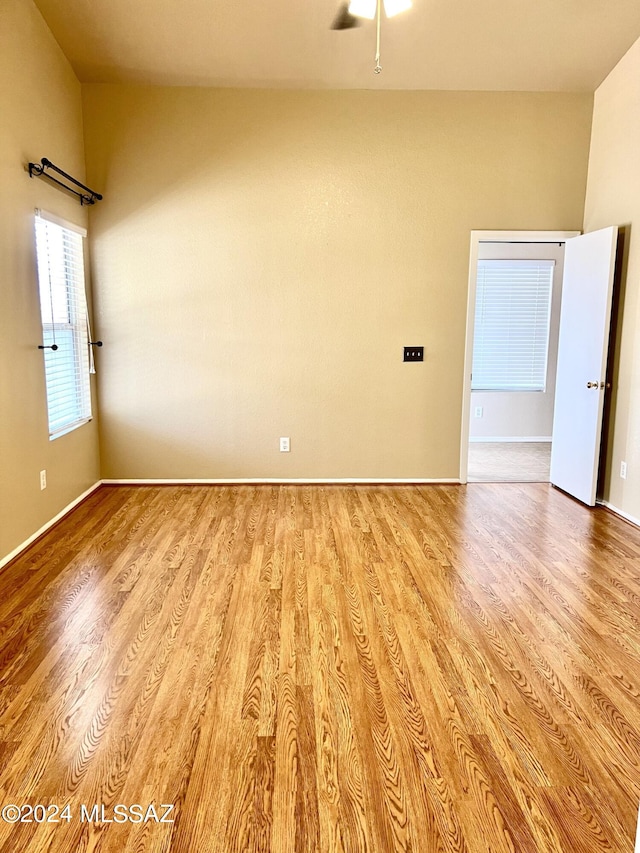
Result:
[[511, 336], [63, 308]]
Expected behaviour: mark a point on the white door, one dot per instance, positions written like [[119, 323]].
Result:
[[585, 319]]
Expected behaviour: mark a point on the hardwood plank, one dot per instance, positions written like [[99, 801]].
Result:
[[325, 668]]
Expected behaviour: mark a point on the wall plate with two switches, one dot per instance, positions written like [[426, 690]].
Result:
[[285, 445]]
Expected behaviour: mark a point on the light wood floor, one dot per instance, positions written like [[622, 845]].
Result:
[[360, 669]]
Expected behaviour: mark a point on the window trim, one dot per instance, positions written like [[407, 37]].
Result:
[[77, 328]]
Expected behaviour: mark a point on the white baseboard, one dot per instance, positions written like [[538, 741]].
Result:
[[49, 524], [253, 481], [496, 439], [630, 518]]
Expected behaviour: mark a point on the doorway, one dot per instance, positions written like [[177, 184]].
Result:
[[515, 281]]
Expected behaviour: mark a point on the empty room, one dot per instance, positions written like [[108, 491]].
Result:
[[320, 434]]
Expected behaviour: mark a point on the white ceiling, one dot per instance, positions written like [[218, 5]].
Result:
[[534, 45]]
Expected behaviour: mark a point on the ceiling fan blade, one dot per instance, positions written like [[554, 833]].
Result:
[[344, 20]]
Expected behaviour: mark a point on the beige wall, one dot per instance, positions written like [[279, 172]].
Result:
[[613, 198], [40, 109], [261, 258]]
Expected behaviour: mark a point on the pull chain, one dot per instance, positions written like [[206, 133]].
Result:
[[378, 67]]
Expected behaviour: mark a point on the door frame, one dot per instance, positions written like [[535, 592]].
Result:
[[478, 237]]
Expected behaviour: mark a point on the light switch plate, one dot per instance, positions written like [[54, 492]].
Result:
[[413, 354]]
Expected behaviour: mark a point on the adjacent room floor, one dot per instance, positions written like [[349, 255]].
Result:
[[326, 668], [509, 461]]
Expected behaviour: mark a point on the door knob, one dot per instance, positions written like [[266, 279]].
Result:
[[593, 384]]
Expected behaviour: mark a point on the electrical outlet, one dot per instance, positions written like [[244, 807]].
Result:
[[285, 446], [623, 470], [477, 412], [43, 480]]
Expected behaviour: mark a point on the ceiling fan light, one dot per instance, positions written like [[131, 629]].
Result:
[[394, 7], [364, 8]]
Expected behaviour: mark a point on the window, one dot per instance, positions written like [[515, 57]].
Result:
[[63, 308], [511, 336]]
